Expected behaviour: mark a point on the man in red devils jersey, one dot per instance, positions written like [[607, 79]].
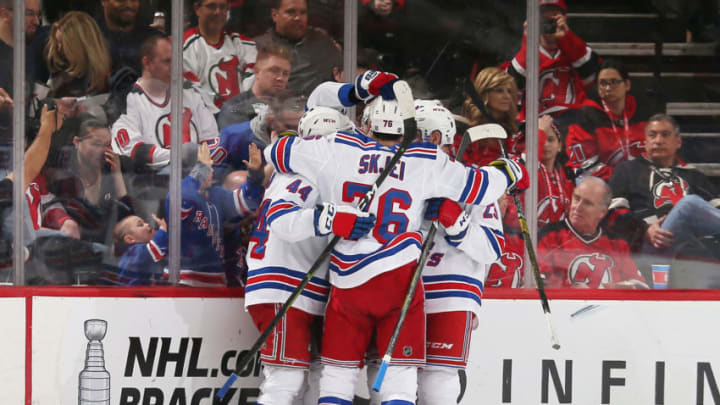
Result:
[[220, 62], [143, 131], [576, 252], [567, 64], [672, 201]]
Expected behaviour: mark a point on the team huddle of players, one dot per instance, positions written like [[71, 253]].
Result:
[[320, 176]]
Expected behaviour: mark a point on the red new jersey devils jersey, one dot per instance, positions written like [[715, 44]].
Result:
[[567, 257]]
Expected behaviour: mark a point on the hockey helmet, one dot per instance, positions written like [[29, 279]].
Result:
[[431, 116], [385, 117], [320, 121]]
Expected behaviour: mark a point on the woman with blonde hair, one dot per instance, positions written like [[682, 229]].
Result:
[[78, 57], [498, 91]]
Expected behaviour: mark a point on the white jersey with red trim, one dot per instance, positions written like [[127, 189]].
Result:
[[221, 70], [345, 166], [143, 132], [453, 276], [283, 247], [44, 213]]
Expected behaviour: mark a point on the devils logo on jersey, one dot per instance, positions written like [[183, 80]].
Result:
[[669, 191], [557, 87], [547, 212], [593, 269], [189, 132], [223, 77], [505, 272], [636, 149]]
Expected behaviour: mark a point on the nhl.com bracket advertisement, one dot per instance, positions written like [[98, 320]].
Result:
[[179, 351]]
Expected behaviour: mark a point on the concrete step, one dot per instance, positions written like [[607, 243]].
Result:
[[678, 86], [693, 109], [635, 27], [648, 49], [708, 169]]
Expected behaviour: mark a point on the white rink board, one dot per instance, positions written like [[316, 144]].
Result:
[[12, 353], [207, 331], [627, 338], [682, 334]]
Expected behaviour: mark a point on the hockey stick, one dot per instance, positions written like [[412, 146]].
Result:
[[407, 109], [523, 225], [471, 135]]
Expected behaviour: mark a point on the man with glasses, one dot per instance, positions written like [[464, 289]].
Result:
[[313, 51], [272, 70], [218, 61]]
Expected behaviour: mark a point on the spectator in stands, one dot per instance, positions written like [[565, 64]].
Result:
[[272, 70], [142, 250], [205, 209], [612, 132], [498, 92], [32, 22], [91, 184], [496, 89], [143, 131], [233, 153], [35, 220], [554, 188], [674, 203], [220, 62], [577, 253], [119, 24], [78, 57], [313, 51], [567, 65]]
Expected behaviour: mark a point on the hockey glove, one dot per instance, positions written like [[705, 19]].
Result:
[[373, 83], [342, 220], [452, 217], [516, 173]]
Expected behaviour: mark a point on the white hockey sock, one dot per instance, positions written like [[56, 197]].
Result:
[[281, 385], [438, 385], [337, 384]]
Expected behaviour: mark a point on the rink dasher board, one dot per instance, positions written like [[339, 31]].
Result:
[[616, 347], [12, 350], [615, 352]]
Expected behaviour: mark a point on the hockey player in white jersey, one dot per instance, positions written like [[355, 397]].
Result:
[[219, 61], [143, 132], [370, 276], [453, 274], [290, 233]]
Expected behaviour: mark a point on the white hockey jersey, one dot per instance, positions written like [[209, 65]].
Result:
[[283, 247], [221, 70], [143, 132], [453, 276], [345, 166]]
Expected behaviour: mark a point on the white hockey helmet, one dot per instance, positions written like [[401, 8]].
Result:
[[323, 121], [431, 116], [385, 117]]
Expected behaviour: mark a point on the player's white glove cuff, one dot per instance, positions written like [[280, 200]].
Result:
[[342, 220], [455, 234]]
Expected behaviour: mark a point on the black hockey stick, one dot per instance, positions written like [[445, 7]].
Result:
[[471, 135], [407, 110], [523, 225]]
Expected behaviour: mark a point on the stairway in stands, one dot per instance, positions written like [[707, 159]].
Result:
[[667, 69]]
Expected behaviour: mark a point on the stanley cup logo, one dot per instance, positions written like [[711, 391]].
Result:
[[94, 385]]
